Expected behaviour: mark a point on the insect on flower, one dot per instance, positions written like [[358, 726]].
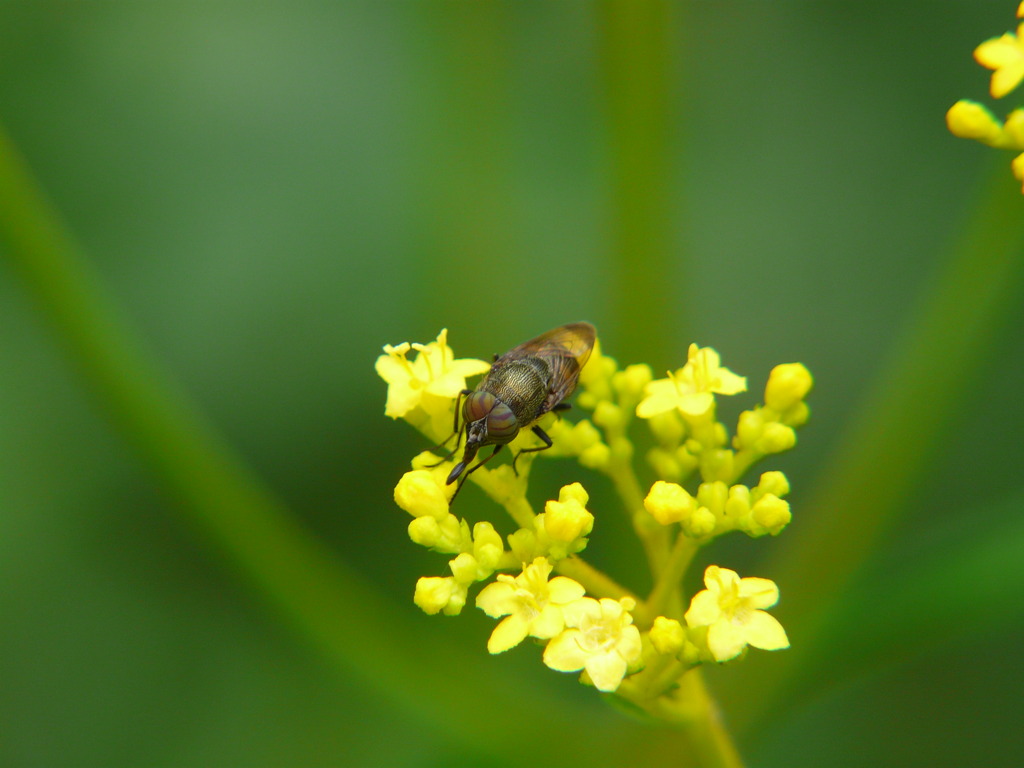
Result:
[[521, 386]]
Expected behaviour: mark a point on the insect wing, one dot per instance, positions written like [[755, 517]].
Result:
[[566, 350]]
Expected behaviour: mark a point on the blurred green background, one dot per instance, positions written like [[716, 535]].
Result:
[[271, 192]]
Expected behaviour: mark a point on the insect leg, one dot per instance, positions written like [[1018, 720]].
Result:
[[543, 436], [473, 469], [563, 406], [457, 434], [458, 410]]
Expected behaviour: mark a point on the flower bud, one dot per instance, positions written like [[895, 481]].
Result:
[[667, 635], [700, 524], [608, 415], [787, 385], [970, 120], [771, 514], [776, 438], [668, 502], [435, 594], [464, 568], [771, 482], [567, 519], [419, 494], [487, 546], [595, 456]]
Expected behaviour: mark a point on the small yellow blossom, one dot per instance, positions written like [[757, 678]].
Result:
[[669, 502], [770, 514], [420, 494], [787, 385], [970, 120], [667, 635], [531, 604], [600, 638], [561, 530], [446, 534], [774, 482], [487, 547], [430, 382], [567, 519], [435, 594], [1005, 56], [691, 389], [731, 609]]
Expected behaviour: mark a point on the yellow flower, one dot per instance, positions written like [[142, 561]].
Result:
[[667, 635], [567, 519], [429, 382], [788, 384], [669, 502], [970, 120], [691, 388], [440, 593], [421, 495], [532, 604], [600, 638], [1005, 56], [730, 608]]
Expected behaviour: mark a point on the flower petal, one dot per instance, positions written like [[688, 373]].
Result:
[[578, 610], [704, 609], [563, 653], [467, 366], [1006, 78], [562, 589], [764, 631], [725, 640], [696, 403], [509, 633], [548, 623], [997, 52], [759, 593], [661, 397], [730, 383], [629, 645], [497, 599], [606, 670]]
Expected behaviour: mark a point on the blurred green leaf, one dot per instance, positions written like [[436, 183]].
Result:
[[960, 582]]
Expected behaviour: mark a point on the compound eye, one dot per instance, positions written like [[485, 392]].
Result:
[[477, 405], [502, 424]]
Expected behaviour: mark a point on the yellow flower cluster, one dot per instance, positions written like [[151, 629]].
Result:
[[618, 641], [970, 120]]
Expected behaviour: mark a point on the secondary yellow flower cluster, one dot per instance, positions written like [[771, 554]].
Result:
[[620, 642], [970, 120]]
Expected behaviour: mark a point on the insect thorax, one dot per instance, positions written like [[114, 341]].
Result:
[[522, 385]]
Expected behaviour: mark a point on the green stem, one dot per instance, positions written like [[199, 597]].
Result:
[[652, 535], [665, 597], [596, 582], [691, 709]]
